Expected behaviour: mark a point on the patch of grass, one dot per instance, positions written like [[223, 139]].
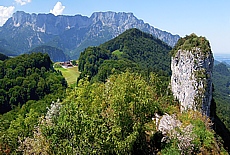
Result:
[[70, 74], [117, 53]]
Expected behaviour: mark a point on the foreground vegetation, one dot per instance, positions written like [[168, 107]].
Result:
[[28, 85], [116, 118]]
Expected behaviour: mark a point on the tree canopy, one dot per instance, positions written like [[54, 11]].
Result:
[[133, 50], [27, 77], [221, 81], [28, 85]]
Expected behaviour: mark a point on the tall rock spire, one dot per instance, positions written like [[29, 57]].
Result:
[[191, 81]]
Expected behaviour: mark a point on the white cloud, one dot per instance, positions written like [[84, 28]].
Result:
[[5, 13], [58, 9], [22, 2]]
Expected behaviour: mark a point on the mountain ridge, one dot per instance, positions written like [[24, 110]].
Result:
[[73, 34]]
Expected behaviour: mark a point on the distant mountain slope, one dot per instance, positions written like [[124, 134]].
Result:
[[221, 94], [54, 53], [5, 48], [72, 34], [133, 49], [3, 57], [223, 58]]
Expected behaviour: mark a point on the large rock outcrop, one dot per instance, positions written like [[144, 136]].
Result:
[[191, 81]]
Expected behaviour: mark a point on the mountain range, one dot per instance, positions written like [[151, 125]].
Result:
[[72, 34]]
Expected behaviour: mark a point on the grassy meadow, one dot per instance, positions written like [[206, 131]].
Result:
[[70, 74]]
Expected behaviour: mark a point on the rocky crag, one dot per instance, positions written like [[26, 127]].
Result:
[[191, 84], [191, 80]]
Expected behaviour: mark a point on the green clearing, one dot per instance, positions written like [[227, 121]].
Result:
[[70, 74], [117, 53]]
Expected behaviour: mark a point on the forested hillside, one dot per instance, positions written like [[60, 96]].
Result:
[[28, 85], [6, 48], [54, 53], [221, 81], [133, 50]]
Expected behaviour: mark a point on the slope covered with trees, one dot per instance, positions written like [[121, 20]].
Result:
[[54, 53], [3, 57], [221, 81], [6, 48], [141, 48], [28, 85], [27, 77], [134, 50]]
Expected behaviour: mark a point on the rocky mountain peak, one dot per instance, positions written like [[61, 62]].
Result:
[[191, 80], [18, 18], [47, 23], [112, 18]]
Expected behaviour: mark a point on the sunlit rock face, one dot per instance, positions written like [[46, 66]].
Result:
[[191, 80]]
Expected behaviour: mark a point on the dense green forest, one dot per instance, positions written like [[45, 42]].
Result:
[[27, 77], [122, 86], [133, 50], [28, 85], [221, 81]]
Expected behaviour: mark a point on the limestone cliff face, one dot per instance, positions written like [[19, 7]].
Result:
[[191, 80]]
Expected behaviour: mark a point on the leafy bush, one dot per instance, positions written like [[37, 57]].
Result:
[[107, 118]]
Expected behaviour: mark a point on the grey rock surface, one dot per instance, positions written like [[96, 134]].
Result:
[[166, 123], [191, 80]]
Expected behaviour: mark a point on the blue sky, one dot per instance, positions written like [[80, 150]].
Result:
[[209, 18]]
